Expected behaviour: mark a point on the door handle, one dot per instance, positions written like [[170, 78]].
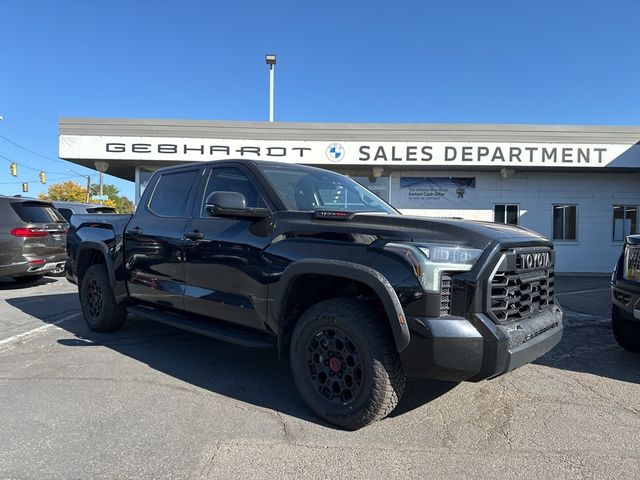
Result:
[[135, 231], [195, 235]]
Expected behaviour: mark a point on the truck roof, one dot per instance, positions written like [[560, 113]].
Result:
[[241, 161]]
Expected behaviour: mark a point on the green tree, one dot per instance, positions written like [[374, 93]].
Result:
[[65, 191], [121, 203]]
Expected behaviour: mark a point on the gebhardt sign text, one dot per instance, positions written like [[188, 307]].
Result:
[[344, 153]]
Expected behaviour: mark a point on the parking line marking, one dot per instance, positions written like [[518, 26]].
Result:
[[37, 330], [584, 291]]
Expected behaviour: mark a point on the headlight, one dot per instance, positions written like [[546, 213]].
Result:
[[631, 263], [429, 261]]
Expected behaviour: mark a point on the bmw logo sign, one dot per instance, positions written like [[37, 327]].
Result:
[[335, 152]]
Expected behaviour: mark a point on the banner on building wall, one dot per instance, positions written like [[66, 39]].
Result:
[[437, 192], [365, 153]]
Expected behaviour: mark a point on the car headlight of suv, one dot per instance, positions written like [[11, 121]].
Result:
[[430, 260], [631, 265]]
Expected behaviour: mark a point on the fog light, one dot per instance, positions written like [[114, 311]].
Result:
[[621, 297]]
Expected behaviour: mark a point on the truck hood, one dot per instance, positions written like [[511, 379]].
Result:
[[404, 228]]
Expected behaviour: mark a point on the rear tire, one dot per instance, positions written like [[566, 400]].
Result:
[[101, 312], [627, 332], [345, 364], [28, 278]]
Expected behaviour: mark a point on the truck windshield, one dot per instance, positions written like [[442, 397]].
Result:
[[310, 190]]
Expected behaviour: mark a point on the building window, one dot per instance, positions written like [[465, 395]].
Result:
[[625, 221], [565, 219], [506, 214]]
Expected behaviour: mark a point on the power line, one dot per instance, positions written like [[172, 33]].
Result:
[[17, 182], [22, 165], [29, 150]]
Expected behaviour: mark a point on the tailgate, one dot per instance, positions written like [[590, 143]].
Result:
[[44, 232], [51, 245]]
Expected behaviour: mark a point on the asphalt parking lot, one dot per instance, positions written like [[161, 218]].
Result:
[[154, 402]]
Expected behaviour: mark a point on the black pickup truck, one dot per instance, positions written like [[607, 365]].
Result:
[[353, 295], [625, 292]]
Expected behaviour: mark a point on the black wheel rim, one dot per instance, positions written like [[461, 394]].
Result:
[[94, 299], [334, 365]]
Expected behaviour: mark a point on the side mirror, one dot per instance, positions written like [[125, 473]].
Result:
[[232, 204]]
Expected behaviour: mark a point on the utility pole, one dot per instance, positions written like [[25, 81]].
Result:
[[88, 188], [88, 177]]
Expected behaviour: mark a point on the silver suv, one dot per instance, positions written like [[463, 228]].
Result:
[[33, 239], [67, 209]]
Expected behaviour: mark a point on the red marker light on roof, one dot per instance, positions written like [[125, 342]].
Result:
[[331, 215]]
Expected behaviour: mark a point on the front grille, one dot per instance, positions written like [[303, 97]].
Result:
[[632, 265], [445, 294], [520, 295]]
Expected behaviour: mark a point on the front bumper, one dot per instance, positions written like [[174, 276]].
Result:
[[475, 348], [627, 298]]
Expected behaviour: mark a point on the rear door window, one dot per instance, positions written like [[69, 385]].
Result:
[[171, 195], [36, 212], [66, 213], [101, 210]]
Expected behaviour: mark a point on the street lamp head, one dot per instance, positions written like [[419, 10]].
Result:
[[101, 166], [270, 58]]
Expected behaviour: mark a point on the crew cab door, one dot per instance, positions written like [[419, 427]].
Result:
[[227, 267], [154, 239]]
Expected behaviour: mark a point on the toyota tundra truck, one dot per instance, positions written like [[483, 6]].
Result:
[[354, 295]]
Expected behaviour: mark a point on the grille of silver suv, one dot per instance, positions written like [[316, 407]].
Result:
[[518, 293]]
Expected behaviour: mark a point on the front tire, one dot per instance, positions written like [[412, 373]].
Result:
[[101, 312], [344, 363], [626, 332]]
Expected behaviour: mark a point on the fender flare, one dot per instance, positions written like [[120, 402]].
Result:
[[354, 271], [102, 248]]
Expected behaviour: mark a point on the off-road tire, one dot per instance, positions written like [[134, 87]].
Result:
[[626, 332], [382, 377], [28, 278], [101, 312]]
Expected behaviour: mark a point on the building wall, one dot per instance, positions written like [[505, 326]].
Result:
[[595, 194]]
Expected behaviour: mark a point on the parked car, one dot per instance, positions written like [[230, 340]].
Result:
[[354, 295], [32, 239], [625, 292], [77, 208]]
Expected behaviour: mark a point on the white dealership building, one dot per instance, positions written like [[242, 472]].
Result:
[[577, 185]]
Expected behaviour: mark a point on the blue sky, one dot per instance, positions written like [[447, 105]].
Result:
[[559, 62]]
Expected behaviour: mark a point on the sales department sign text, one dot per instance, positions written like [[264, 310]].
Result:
[[349, 152]]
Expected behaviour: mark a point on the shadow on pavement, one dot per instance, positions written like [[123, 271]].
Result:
[[254, 376], [588, 344], [8, 283]]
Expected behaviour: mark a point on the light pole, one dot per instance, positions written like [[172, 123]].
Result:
[[102, 167], [88, 177], [270, 58]]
